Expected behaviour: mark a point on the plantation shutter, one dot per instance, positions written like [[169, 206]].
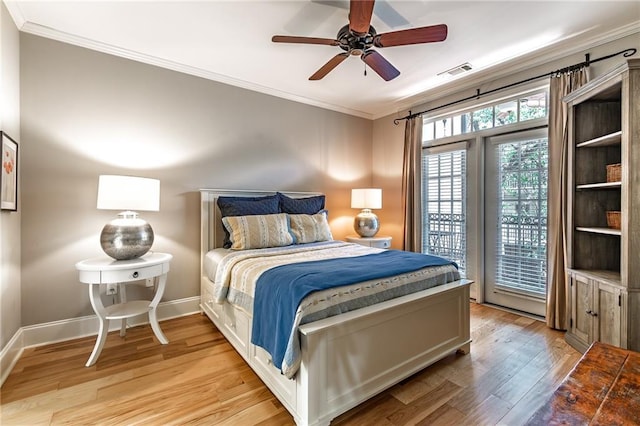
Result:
[[444, 171]]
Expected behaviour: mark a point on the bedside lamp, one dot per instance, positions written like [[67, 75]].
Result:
[[366, 222], [128, 236]]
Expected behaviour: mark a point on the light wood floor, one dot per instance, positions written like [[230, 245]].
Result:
[[514, 364]]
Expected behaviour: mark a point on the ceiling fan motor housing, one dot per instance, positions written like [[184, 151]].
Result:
[[354, 43]]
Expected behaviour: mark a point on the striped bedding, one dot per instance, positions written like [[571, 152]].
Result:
[[237, 272]]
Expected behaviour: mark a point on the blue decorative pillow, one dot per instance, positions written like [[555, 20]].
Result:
[[307, 205], [247, 206]]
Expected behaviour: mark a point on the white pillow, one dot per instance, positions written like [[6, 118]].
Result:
[[308, 228], [258, 231]]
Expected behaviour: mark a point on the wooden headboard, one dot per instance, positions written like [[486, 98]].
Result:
[[212, 233]]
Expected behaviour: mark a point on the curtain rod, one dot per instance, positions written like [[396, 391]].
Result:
[[588, 61]]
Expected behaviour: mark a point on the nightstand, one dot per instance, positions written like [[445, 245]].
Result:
[[382, 241], [152, 267]]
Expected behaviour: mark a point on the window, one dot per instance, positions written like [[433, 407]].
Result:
[[444, 205], [484, 195], [503, 113], [483, 119], [522, 216], [506, 113], [533, 106]]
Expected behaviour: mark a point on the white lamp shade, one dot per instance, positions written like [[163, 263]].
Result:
[[366, 198], [128, 193]]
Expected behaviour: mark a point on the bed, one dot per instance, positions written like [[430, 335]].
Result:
[[341, 360]]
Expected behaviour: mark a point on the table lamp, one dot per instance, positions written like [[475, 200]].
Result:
[[366, 223], [127, 236]]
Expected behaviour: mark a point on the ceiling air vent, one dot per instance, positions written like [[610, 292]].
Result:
[[457, 69]]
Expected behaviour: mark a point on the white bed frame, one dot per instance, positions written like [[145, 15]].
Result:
[[349, 358]]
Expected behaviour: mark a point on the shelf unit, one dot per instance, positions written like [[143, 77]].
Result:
[[604, 278], [595, 230], [601, 185], [612, 139]]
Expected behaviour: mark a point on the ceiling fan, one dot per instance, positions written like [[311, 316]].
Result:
[[358, 39]]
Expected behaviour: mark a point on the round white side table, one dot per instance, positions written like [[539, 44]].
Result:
[[104, 270]]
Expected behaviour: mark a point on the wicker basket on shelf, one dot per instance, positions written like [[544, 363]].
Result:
[[614, 172], [613, 219]]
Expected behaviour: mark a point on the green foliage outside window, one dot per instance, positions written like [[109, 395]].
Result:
[[500, 114]]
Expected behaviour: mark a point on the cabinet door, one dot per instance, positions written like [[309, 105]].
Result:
[[606, 313], [581, 308]]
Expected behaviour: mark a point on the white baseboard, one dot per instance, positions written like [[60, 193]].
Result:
[[57, 331], [10, 355]]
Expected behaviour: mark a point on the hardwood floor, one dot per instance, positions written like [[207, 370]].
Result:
[[198, 378]]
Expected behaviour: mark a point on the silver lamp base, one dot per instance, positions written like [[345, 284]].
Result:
[[366, 223], [126, 237]]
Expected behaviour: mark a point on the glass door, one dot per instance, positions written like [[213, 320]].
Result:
[[516, 220], [444, 199]]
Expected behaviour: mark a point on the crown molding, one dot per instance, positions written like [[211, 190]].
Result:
[[16, 13], [50, 33], [541, 57]]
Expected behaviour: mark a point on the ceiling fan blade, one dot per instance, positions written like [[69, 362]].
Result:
[[326, 68], [389, 15], [382, 10], [304, 40], [429, 34], [380, 65], [360, 12]]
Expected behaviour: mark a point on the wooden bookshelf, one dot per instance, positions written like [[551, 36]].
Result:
[[604, 277]]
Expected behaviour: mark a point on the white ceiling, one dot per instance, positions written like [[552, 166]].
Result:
[[230, 41]]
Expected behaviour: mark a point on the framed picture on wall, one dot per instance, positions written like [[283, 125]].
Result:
[[9, 174]]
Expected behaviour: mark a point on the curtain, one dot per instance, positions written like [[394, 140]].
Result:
[[412, 184], [557, 291]]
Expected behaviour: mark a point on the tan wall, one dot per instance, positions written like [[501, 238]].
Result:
[[388, 140], [86, 113], [10, 315]]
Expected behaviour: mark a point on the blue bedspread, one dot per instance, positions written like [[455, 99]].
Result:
[[280, 290]]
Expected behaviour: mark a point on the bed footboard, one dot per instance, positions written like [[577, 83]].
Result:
[[347, 362], [348, 359]]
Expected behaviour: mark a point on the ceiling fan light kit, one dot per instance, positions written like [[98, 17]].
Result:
[[359, 37]]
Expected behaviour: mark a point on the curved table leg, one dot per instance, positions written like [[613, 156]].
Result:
[[98, 307], [153, 319]]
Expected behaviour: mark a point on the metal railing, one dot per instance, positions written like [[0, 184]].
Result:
[[443, 234]]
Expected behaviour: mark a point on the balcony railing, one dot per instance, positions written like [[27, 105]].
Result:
[[443, 234]]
